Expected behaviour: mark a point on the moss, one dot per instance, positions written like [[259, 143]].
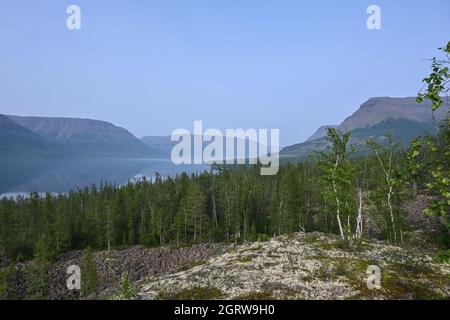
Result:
[[246, 259], [352, 269], [411, 268], [290, 236], [355, 273], [330, 244], [404, 288], [256, 295], [324, 272], [273, 253], [193, 264], [263, 238], [414, 280], [327, 246], [270, 264], [400, 281], [257, 248], [361, 265], [353, 247], [341, 267], [443, 256], [312, 239], [195, 293]]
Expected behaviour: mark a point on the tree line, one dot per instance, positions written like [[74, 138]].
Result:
[[330, 194]]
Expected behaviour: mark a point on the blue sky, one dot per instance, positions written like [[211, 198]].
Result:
[[154, 66]]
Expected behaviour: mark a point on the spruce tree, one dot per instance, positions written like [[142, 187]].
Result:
[[89, 276], [126, 288], [38, 272]]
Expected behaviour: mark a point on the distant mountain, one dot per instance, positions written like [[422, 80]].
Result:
[[161, 143], [72, 130], [165, 145], [321, 132], [16, 140], [377, 110], [85, 137], [403, 118], [158, 141]]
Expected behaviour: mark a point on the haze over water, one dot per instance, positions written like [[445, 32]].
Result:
[[63, 175]]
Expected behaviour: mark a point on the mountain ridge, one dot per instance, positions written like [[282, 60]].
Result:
[[60, 136], [320, 132], [84, 137], [378, 109], [403, 118], [25, 143]]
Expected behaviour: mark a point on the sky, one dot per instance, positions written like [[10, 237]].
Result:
[[155, 66]]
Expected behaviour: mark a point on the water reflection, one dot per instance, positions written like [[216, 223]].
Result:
[[58, 176]]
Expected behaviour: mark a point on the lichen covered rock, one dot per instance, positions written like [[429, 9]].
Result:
[[305, 266]]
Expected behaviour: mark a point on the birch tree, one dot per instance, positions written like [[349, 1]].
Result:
[[336, 181]]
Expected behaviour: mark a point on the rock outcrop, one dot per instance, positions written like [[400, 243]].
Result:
[[305, 266]]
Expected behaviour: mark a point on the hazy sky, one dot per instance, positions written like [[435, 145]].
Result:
[[153, 66]]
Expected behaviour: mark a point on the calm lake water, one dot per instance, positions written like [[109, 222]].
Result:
[[62, 175]]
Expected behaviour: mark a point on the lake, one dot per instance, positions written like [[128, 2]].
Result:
[[62, 175]]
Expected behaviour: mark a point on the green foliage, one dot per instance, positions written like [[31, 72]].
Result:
[[437, 83], [89, 276], [6, 272], [429, 157], [336, 181], [387, 186], [38, 271], [443, 256], [192, 219], [127, 290]]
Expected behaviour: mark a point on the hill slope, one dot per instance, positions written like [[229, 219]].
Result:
[[321, 132], [85, 137], [403, 118], [16, 140], [377, 110], [158, 141]]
